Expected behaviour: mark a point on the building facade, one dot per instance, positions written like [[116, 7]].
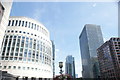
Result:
[[90, 39], [53, 57], [70, 66], [109, 59], [26, 49], [5, 8]]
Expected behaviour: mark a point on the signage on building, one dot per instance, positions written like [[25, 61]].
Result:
[[1, 12]]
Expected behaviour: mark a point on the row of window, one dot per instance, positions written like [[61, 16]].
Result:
[[22, 42], [25, 47], [46, 61], [15, 31], [27, 25], [22, 68]]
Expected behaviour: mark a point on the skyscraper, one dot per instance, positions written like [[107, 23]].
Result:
[[70, 66], [109, 59], [26, 49], [53, 57], [90, 39]]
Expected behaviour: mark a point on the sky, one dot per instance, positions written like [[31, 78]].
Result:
[[65, 21]]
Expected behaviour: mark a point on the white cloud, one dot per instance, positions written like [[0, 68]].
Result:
[[94, 5], [38, 12]]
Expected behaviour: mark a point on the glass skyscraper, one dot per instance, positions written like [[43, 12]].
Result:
[[70, 66], [90, 39]]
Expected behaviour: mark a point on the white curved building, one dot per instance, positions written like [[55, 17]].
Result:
[[27, 49]]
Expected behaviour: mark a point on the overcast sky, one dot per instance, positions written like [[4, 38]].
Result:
[[65, 21]]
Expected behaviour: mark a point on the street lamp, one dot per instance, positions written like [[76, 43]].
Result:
[[61, 65]]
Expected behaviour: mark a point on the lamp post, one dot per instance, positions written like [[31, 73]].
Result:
[[61, 71]]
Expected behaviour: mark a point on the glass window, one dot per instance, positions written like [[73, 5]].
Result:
[[20, 31], [16, 54], [11, 54], [15, 37], [37, 55], [0, 67], [17, 49], [12, 49], [24, 32], [30, 46], [12, 22], [19, 22], [19, 67], [22, 42], [7, 54], [37, 45], [15, 58], [3, 58], [33, 56], [16, 23], [26, 24], [16, 31], [5, 67], [11, 58], [35, 27], [34, 44], [21, 49], [29, 54], [32, 26], [4, 49], [26, 44], [8, 31], [9, 22], [9, 67], [14, 67], [3, 53], [28, 68], [22, 23], [20, 58], [25, 53], [20, 54], [12, 31], [29, 25]]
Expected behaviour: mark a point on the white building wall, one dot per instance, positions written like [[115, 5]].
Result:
[[40, 69], [7, 6]]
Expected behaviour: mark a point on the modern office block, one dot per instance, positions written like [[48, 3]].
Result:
[[26, 49], [90, 39], [53, 57], [109, 59], [70, 66]]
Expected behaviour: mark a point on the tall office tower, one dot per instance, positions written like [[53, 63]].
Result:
[[26, 49], [90, 39], [119, 19], [109, 59], [70, 66], [5, 8], [53, 57]]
